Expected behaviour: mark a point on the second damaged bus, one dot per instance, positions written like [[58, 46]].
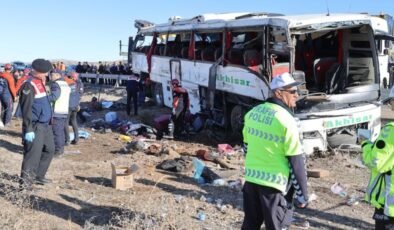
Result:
[[226, 62]]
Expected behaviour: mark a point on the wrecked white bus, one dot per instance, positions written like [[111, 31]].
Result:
[[226, 62]]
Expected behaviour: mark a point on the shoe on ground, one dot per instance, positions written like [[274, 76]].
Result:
[[42, 181], [74, 142], [67, 143]]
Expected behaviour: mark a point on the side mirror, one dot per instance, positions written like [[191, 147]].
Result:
[[299, 76]]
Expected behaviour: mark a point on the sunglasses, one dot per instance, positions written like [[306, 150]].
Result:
[[293, 91]]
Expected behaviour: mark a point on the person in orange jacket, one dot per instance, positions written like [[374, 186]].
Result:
[[22, 80], [7, 94]]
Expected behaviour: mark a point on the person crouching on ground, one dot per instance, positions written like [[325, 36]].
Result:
[[76, 86], [275, 165], [59, 97], [38, 142], [378, 156]]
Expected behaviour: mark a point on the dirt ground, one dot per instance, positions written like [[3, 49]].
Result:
[[81, 195]]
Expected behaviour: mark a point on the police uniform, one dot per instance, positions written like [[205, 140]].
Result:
[[60, 96], [36, 114], [132, 93], [379, 158], [274, 163]]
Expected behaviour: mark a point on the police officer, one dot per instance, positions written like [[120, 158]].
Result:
[[378, 156], [7, 94], [38, 143], [60, 97], [274, 158], [132, 93]]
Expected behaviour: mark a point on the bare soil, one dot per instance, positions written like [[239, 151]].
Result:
[[81, 195]]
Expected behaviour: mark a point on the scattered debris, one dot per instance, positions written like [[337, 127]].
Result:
[[318, 173], [236, 185], [122, 176], [154, 149], [225, 149], [312, 197], [201, 216], [175, 165], [338, 190], [354, 199], [125, 138], [223, 164], [110, 116], [300, 223], [202, 173], [71, 152], [219, 182], [106, 104]]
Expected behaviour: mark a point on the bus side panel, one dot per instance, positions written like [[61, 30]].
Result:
[[241, 81], [139, 63]]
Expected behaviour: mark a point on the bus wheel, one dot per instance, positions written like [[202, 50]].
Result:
[[158, 94], [237, 119]]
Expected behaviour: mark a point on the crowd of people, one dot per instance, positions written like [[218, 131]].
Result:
[[45, 114], [103, 68]]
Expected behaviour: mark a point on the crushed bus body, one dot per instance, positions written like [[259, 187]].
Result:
[[226, 61]]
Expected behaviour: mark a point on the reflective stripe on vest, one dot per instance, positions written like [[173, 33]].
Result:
[[266, 176], [61, 104]]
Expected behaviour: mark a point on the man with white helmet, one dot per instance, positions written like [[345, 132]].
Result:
[[378, 156], [274, 161]]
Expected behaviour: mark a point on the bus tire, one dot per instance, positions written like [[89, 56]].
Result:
[[157, 91], [237, 119]]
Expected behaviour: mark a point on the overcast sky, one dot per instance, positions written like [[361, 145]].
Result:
[[90, 30]]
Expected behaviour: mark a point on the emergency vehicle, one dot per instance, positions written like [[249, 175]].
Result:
[[226, 61]]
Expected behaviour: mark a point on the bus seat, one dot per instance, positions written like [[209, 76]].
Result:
[[157, 49], [207, 54], [279, 68], [252, 58], [320, 68], [235, 56], [184, 52]]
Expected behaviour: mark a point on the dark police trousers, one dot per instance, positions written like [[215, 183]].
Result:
[[265, 205], [58, 125], [38, 154], [132, 94]]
